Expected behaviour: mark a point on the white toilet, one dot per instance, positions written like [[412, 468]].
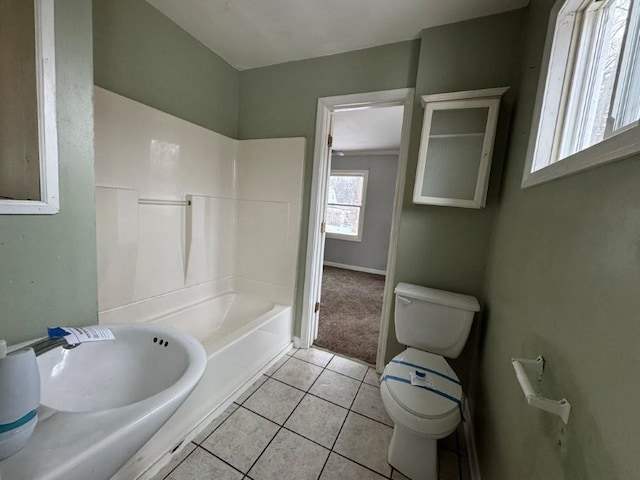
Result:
[[420, 391]]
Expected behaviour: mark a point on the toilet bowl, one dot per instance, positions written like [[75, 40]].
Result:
[[421, 413], [419, 390]]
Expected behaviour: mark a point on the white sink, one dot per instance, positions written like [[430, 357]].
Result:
[[102, 401]]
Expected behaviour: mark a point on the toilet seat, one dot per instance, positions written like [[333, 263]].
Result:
[[433, 409]]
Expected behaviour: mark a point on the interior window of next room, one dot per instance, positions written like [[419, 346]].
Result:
[[346, 200], [588, 103]]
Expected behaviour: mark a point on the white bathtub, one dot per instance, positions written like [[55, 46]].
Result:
[[243, 335]]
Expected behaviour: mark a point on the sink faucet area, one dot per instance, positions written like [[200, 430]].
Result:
[[101, 401], [46, 344]]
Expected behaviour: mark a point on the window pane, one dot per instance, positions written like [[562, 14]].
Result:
[[345, 189], [617, 16], [601, 41], [626, 107], [343, 220]]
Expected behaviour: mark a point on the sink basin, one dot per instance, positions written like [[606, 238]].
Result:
[[101, 401], [122, 372]]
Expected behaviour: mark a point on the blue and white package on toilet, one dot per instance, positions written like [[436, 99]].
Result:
[[19, 398]]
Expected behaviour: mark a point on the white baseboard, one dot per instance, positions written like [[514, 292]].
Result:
[[472, 452], [355, 268]]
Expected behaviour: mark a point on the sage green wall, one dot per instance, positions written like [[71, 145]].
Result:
[[48, 262], [141, 54], [281, 101], [563, 282], [446, 247]]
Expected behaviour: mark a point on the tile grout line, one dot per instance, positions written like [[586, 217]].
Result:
[[307, 392], [342, 426], [241, 405], [310, 439], [217, 427], [349, 409], [327, 400], [282, 427], [221, 459], [180, 462], [330, 449], [286, 419], [331, 402]]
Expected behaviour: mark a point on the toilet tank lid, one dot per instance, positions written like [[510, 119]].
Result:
[[441, 297]]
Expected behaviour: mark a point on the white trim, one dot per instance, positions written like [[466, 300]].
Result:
[[355, 268], [362, 153], [326, 106], [315, 239], [365, 181], [549, 109], [47, 123], [346, 238], [472, 451], [614, 148], [389, 284], [489, 99], [465, 95]]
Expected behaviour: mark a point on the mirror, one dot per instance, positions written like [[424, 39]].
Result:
[[456, 148], [28, 133]]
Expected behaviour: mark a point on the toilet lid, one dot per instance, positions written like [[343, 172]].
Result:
[[439, 392]]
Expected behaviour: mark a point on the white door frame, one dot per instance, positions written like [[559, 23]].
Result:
[[313, 270]]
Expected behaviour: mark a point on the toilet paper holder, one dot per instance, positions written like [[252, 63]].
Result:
[[562, 407]]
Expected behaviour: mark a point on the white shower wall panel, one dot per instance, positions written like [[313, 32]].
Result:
[[158, 155], [263, 244], [160, 263], [269, 178], [241, 228], [117, 244], [270, 170], [210, 239], [222, 264]]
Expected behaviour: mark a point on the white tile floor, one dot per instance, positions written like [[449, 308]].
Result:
[[313, 415]]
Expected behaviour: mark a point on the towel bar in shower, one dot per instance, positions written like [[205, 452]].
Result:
[[153, 201], [562, 408]]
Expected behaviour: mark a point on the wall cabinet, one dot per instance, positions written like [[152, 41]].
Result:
[[456, 147]]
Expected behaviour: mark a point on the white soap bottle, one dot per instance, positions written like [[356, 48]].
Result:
[[19, 398]]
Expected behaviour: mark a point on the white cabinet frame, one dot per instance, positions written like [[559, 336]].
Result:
[[49, 202], [487, 98]]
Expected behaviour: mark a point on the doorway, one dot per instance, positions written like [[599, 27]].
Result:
[[342, 220], [358, 213]]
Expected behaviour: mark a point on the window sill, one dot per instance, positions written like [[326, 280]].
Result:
[[349, 238], [615, 148]]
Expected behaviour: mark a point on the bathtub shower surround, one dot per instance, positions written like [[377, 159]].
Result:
[[243, 224], [201, 232]]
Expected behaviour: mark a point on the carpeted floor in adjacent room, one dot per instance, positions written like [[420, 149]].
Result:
[[350, 311]]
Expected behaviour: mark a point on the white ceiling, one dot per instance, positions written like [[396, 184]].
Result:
[[370, 129], [255, 33]]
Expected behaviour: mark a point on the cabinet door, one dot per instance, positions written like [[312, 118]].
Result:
[[455, 152]]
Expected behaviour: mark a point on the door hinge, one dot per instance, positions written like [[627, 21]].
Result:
[[330, 140], [316, 309], [323, 227]]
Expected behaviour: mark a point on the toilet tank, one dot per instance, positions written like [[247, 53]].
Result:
[[433, 320]]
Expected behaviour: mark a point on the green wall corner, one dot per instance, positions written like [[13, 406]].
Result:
[[144, 56]]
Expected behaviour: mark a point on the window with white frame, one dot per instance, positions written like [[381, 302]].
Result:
[[346, 199], [588, 104]]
